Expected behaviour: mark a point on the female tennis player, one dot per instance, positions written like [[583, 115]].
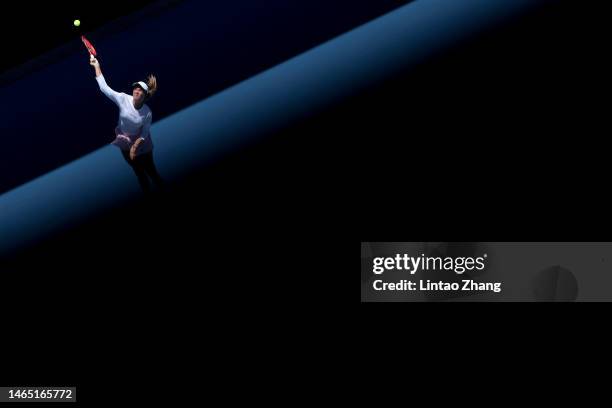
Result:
[[132, 134]]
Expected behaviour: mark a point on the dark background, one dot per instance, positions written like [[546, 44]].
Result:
[[500, 138], [30, 29]]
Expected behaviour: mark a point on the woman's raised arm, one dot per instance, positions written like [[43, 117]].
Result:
[[106, 90]]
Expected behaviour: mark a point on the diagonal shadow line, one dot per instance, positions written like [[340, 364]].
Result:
[[300, 86]]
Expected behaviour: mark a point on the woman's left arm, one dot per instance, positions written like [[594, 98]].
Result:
[[144, 134]]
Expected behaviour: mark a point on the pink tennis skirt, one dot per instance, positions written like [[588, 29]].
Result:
[[125, 142]]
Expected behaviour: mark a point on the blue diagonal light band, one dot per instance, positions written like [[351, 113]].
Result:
[[259, 105]]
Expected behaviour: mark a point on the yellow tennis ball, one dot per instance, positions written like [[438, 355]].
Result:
[[77, 23]]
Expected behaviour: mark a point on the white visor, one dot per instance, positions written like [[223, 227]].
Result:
[[142, 85]]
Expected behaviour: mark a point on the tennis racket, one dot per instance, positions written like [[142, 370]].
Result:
[[89, 46]]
